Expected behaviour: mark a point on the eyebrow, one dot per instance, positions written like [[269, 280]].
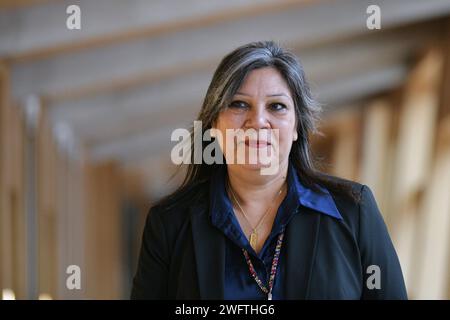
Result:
[[269, 95]]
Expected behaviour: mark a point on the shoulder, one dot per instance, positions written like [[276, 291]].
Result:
[[357, 200], [345, 192], [359, 211]]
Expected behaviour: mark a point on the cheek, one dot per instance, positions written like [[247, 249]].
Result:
[[287, 131], [225, 121], [286, 137], [230, 120]]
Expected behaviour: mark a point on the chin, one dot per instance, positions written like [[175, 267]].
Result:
[[262, 168]]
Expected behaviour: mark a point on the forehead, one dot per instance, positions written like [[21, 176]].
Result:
[[264, 81]]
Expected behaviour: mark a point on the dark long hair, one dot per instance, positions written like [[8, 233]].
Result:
[[226, 80]]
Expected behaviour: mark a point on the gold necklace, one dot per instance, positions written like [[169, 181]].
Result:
[[254, 234]]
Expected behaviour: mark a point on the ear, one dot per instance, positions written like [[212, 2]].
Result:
[[295, 135]]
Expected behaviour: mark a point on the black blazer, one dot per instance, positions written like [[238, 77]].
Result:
[[183, 254]]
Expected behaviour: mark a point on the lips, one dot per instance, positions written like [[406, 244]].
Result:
[[257, 143]]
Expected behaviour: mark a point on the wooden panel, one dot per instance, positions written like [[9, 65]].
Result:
[[69, 223], [376, 140], [345, 157], [444, 110], [3, 106], [103, 241], [47, 208], [13, 4], [435, 224], [152, 19], [413, 164], [13, 225]]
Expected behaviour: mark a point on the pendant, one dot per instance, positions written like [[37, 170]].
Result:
[[253, 239]]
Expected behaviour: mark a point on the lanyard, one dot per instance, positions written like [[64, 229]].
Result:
[[273, 270]]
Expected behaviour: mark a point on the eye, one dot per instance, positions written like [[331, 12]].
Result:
[[277, 106], [238, 104]]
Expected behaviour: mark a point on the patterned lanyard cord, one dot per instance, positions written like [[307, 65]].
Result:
[[273, 269]]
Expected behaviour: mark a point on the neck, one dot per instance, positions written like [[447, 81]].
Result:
[[251, 188]]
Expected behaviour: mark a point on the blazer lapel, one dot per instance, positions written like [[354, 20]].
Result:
[[301, 239], [209, 247]]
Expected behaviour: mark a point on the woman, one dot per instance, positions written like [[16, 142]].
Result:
[[231, 232]]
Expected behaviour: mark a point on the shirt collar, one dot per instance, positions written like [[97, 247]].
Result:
[[321, 202], [297, 194]]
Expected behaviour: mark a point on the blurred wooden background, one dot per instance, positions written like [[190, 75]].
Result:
[[86, 117]]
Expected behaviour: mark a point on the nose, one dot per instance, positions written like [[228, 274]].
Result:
[[257, 118]]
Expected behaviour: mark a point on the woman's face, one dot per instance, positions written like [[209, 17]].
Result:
[[263, 109]]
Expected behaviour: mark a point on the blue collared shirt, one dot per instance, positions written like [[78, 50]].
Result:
[[238, 282]]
